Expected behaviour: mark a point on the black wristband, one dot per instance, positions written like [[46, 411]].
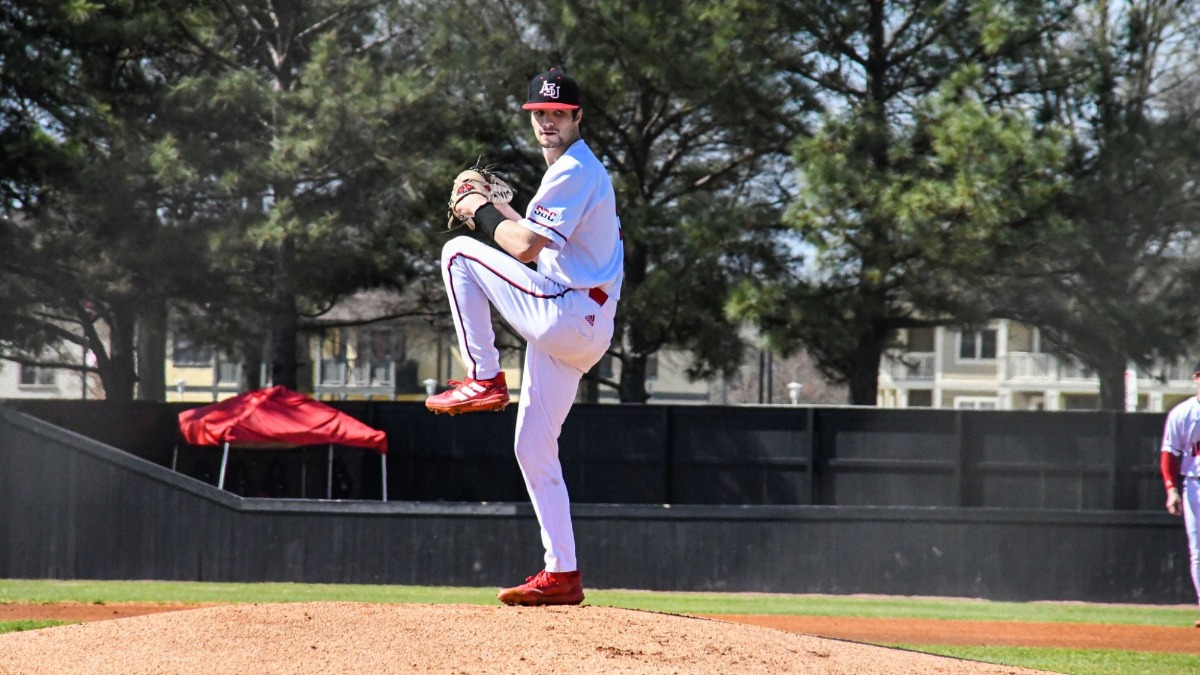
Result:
[[488, 218]]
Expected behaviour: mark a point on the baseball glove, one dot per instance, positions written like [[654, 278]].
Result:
[[478, 179]]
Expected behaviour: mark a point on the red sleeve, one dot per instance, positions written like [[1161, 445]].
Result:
[[1169, 465]]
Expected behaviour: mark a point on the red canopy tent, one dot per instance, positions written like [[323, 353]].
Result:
[[278, 418]]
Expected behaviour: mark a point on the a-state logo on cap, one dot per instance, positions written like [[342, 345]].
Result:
[[552, 90]]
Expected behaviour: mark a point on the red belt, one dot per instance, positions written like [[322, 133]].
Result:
[[598, 295]]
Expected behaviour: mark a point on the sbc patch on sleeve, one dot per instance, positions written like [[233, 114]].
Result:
[[546, 216]]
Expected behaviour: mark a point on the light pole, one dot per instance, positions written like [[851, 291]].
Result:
[[794, 391]]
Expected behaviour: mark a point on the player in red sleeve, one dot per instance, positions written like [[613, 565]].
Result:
[[1180, 466]]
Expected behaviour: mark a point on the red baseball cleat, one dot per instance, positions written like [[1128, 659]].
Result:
[[546, 588], [471, 395]]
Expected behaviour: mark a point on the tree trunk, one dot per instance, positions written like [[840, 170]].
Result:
[[117, 371], [152, 351], [863, 370], [633, 378], [283, 321], [589, 388], [632, 388], [864, 380], [633, 366], [252, 360], [1112, 383]]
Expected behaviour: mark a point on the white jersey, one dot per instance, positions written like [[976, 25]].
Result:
[[1181, 436], [576, 209]]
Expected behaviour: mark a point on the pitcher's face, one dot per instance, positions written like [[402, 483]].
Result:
[[555, 128]]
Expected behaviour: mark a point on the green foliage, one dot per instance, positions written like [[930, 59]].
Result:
[[79, 11], [1120, 287], [951, 191], [87, 208], [316, 166], [681, 105], [831, 173], [917, 182], [251, 168]]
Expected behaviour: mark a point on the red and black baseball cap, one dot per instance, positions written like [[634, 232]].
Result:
[[552, 90]]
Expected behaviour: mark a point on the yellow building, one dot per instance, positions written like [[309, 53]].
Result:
[[1003, 367]]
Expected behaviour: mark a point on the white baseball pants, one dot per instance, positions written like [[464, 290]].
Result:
[[566, 332], [1191, 525]]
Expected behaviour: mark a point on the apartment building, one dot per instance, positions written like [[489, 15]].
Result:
[[21, 381], [397, 359], [385, 360], [1003, 367]]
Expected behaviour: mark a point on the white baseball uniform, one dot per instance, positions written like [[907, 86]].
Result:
[[564, 310], [1181, 438]]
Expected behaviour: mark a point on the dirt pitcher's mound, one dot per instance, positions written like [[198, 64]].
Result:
[[345, 637]]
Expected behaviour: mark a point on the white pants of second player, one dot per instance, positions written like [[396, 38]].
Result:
[[1191, 524], [567, 333]]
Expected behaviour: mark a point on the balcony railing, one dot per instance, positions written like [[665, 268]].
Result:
[[1019, 366], [1037, 366], [1027, 367], [1073, 370], [1022, 366], [1172, 372], [910, 366]]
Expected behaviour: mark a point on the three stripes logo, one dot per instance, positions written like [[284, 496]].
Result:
[[473, 389]]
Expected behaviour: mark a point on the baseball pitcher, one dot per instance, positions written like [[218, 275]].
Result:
[[564, 310]]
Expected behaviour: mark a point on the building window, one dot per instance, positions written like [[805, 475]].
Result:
[[361, 356], [186, 351], [334, 354], [35, 376], [229, 371], [378, 350], [977, 345], [920, 340]]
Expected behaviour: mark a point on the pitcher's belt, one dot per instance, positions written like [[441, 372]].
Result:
[[599, 296]]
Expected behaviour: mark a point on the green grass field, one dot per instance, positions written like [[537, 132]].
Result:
[[1079, 662]]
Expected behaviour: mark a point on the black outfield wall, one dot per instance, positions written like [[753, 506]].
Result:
[[75, 508], [693, 455]]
